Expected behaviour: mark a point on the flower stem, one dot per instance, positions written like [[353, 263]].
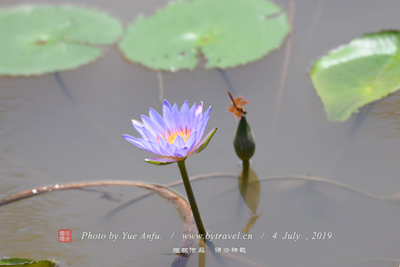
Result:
[[192, 200]]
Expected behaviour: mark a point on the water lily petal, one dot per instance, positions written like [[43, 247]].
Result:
[[157, 119], [191, 142], [171, 149], [148, 135], [195, 122], [150, 125], [179, 142], [193, 110], [207, 113], [168, 119], [133, 140], [184, 114], [138, 123], [192, 115], [147, 144], [198, 116], [165, 147], [201, 128], [182, 153], [141, 129], [204, 117], [176, 118], [166, 103], [138, 128], [137, 142], [199, 109], [156, 147]]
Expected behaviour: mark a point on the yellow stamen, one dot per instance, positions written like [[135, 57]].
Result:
[[170, 136]]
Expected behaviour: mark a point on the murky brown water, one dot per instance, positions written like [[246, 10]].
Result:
[[53, 136]]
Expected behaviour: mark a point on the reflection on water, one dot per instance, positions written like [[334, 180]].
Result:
[[249, 187], [388, 110]]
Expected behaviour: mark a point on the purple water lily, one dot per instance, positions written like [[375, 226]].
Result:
[[176, 135]]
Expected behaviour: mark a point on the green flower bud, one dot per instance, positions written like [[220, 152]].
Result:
[[244, 141]]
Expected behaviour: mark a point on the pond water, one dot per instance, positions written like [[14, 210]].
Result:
[[53, 135]]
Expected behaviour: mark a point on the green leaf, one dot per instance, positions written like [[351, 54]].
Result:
[[206, 140], [162, 160], [39, 39], [226, 32], [27, 262], [357, 74]]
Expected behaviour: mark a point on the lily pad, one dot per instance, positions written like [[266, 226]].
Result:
[[351, 76], [226, 32], [39, 39], [28, 262]]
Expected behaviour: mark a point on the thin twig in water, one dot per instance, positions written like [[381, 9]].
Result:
[[82, 185], [268, 178], [286, 62], [311, 30], [325, 181], [109, 195], [176, 183], [160, 87]]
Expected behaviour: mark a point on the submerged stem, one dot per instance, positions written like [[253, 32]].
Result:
[[226, 79], [63, 87], [192, 200]]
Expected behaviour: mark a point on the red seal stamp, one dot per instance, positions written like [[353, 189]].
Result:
[[64, 235]]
